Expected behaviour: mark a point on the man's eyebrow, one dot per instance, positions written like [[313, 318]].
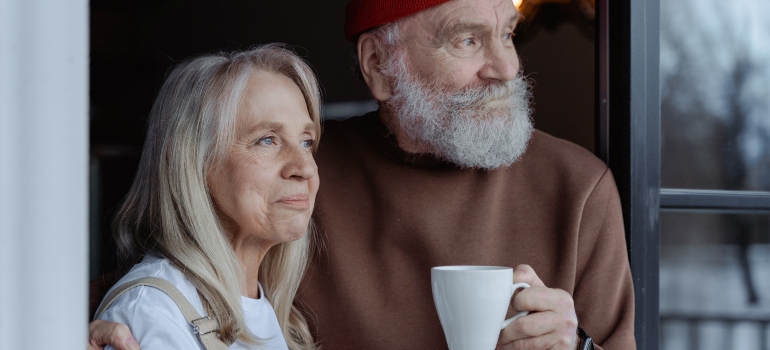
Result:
[[462, 27], [465, 27]]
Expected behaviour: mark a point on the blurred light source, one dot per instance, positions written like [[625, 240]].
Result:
[[517, 3]]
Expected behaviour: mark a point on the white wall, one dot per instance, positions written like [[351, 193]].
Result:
[[43, 174]]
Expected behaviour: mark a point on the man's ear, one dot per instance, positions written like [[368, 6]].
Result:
[[370, 57]]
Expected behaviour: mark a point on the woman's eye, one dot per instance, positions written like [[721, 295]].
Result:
[[308, 143], [267, 141]]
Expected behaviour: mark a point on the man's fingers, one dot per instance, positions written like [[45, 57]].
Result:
[[543, 299], [103, 333], [550, 341], [525, 273], [551, 324], [552, 321], [532, 325]]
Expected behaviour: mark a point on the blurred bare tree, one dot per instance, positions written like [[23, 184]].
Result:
[[715, 100]]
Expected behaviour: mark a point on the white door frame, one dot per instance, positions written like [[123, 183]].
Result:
[[43, 174]]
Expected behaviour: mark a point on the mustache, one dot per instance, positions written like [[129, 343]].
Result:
[[481, 96]]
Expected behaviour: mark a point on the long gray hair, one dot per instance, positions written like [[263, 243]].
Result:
[[169, 210]]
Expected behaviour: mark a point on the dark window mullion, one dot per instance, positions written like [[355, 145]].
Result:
[[634, 148], [717, 200], [602, 127]]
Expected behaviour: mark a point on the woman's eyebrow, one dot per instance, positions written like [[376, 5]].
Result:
[[274, 126]]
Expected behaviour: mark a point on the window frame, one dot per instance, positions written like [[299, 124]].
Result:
[[628, 128], [628, 140]]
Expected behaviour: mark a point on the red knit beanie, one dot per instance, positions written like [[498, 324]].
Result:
[[362, 15]]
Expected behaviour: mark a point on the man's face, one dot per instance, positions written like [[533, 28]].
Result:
[[455, 91], [462, 43]]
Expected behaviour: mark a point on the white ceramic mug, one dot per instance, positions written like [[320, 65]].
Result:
[[471, 302]]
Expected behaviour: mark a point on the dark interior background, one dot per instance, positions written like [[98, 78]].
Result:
[[134, 43]]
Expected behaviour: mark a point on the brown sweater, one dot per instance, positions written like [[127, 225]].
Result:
[[385, 218]]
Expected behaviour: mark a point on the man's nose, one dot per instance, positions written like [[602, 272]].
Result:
[[502, 63]]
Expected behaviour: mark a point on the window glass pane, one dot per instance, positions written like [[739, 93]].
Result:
[[715, 94], [714, 285]]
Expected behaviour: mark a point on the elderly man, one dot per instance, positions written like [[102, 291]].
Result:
[[449, 171]]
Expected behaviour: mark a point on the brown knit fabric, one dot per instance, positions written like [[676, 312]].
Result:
[[386, 218]]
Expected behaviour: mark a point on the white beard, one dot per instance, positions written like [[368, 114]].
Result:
[[479, 127]]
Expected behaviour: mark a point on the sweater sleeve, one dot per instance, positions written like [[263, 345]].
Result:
[[604, 293], [154, 319]]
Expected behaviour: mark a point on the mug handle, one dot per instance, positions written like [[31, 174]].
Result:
[[516, 286]]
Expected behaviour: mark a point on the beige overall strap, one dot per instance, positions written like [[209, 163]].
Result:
[[203, 327]]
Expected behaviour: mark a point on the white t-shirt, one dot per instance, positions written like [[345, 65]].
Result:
[[157, 323]]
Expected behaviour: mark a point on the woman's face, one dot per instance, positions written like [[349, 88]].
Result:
[[266, 188]]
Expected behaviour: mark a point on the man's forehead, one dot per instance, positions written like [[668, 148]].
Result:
[[471, 11], [470, 20], [467, 14]]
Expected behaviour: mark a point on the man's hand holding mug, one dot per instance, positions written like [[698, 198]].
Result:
[[472, 300]]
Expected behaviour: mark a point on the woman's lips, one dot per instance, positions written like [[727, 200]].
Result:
[[296, 201]]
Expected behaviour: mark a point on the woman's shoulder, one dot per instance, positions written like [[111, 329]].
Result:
[[154, 318], [153, 266]]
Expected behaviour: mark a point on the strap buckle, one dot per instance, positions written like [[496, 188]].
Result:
[[205, 327]]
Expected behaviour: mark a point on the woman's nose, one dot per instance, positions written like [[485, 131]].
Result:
[[299, 164]]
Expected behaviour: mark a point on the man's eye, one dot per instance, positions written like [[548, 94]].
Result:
[[308, 143], [468, 42]]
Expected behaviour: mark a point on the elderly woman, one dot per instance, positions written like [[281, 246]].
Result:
[[221, 204]]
